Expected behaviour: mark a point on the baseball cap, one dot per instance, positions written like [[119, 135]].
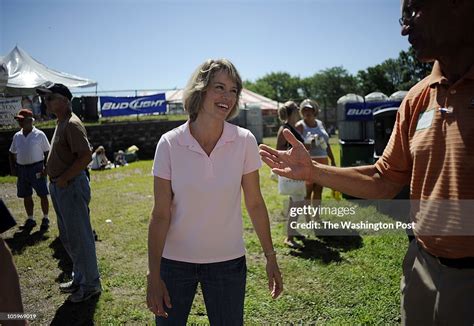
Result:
[[306, 104], [309, 104], [24, 113], [55, 89]]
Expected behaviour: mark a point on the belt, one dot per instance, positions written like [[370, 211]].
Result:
[[459, 263]]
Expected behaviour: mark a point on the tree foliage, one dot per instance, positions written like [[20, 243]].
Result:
[[328, 85], [279, 86]]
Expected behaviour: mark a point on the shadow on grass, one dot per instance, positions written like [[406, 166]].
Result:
[[72, 314], [64, 261], [327, 249], [24, 238]]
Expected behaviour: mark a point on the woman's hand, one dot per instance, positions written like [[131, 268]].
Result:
[[275, 281], [156, 294]]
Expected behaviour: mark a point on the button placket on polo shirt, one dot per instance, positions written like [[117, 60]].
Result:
[[209, 169]]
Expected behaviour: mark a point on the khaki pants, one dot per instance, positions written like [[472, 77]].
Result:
[[434, 294]]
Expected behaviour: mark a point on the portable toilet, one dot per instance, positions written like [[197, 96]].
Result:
[[384, 121], [250, 117], [398, 96], [350, 109], [255, 121]]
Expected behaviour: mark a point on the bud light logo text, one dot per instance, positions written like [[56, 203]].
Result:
[[358, 113]]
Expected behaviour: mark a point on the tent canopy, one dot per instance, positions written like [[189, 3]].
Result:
[[25, 74], [247, 98]]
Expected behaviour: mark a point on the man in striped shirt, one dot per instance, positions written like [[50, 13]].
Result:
[[431, 149]]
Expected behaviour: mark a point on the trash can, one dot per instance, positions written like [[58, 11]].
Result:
[[356, 153], [384, 120]]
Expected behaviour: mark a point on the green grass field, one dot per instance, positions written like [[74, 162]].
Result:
[[332, 281]]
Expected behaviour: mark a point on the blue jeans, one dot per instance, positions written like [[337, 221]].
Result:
[[72, 210], [222, 284]]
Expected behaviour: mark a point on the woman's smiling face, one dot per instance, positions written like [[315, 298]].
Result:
[[220, 96]]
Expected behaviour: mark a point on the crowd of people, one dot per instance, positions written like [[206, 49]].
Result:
[[195, 232]]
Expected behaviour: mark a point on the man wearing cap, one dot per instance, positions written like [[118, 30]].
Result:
[[70, 193], [28, 153], [431, 149]]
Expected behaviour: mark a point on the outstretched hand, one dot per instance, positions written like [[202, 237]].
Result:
[[294, 163]]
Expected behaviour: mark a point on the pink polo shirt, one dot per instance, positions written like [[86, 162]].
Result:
[[206, 215]]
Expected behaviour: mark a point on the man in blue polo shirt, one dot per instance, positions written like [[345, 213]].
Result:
[[28, 152]]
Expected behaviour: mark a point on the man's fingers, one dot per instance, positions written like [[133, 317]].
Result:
[[291, 138], [268, 149], [281, 172], [276, 167], [271, 163]]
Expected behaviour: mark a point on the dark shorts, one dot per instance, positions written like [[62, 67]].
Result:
[[29, 178]]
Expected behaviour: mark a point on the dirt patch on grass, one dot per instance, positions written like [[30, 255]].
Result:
[[7, 191]]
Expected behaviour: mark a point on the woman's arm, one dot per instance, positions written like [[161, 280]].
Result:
[[259, 216], [281, 141], [299, 126], [157, 230]]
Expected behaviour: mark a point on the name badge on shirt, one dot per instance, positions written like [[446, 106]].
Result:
[[425, 120]]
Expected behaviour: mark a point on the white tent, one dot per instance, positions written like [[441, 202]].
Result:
[[25, 74], [247, 98]]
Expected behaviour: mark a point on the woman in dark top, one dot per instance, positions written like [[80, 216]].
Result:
[[289, 115]]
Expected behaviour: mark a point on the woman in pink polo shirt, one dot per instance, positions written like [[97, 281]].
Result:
[[195, 234]]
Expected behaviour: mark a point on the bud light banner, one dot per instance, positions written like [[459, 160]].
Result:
[[115, 106], [364, 111]]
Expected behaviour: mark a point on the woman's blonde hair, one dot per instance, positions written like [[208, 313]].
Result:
[[199, 82], [287, 110]]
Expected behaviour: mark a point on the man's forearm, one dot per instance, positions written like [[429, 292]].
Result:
[[362, 181]]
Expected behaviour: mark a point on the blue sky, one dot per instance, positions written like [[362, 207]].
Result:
[[144, 44]]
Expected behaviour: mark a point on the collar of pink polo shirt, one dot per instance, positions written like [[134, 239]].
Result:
[[186, 139]]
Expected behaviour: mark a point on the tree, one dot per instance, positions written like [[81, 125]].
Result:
[[393, 74], [279, 86], [328, 85], [375, 79], [413, 70]]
